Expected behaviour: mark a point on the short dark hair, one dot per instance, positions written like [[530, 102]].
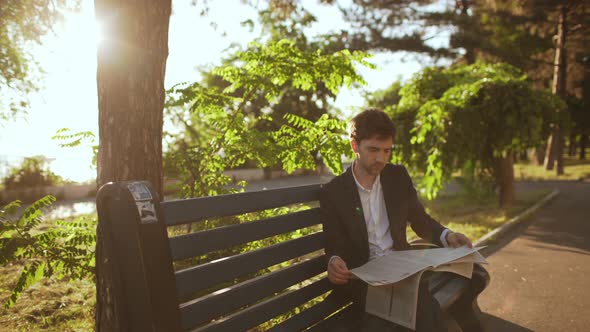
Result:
[[369, 123]]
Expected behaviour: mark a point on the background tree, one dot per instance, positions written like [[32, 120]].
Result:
[[473, 118], [386, 98], [33, 172], [282, 20], [130, 78], [234, 135], [465, 30], [581, 113], [516, 32], [263, 114], [570, 21]]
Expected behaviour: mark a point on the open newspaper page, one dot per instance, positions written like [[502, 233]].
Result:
[[395, 302], [394, 279]]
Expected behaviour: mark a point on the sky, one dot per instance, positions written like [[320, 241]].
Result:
[[68, 99]]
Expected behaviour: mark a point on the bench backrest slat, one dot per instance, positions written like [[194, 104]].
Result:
[[263, 311], [177, 212], [195, 244], [220, 271], [201, 310]]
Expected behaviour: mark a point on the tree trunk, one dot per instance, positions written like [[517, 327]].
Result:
[[506, 180], [550, 152], [572, 145], [583, 145], [130, 78], [538, 155], [554, 153], [463, 6]]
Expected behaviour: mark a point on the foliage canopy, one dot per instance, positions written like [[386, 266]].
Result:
[[23, 23], [269, 70], [469, 116]]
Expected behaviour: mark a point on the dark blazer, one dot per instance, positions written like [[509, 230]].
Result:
[[345, 230]]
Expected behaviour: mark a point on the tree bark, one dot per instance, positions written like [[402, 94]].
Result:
[[572, 145], [506, 180], [538, 155], [554, 153], [550, 152], [583, 145], [130, 79]]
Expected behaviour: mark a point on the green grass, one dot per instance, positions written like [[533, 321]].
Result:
[[474, 216], [574, 169], [51, 305]]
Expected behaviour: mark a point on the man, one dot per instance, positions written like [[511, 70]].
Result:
[[365, 212]]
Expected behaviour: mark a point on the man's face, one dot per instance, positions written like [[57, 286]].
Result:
[[373, 153]]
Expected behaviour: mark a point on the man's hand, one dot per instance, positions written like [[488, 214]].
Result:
[[338, 272], [456, 240]]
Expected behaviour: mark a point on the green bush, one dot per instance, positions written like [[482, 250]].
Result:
[[33, 172]]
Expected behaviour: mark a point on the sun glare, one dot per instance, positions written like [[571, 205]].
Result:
[[68, 99], [99, 31]]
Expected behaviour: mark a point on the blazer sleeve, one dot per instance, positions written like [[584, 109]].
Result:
[[334, 236], [420, 221], [336, 244]]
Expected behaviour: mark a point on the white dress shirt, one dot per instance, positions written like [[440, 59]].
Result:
[[375, 213]]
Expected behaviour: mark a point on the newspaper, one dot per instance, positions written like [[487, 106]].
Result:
[[394, 279]]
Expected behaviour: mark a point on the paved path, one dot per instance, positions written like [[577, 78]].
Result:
[[540, 273]]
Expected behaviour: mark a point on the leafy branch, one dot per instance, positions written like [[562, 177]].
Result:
[[266, 71], [63, 250]]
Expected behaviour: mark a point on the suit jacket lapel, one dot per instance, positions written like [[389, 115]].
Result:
[[394, 199], [356, 224]]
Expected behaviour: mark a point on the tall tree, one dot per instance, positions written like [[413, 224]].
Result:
[[464, 30], [583, 118], [571, 19], [390, 26], [280, 21], [130, 76]]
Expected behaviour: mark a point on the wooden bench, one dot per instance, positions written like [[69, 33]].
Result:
[[231, 277]]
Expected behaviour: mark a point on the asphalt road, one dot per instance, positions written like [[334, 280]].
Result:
[[540, 272]]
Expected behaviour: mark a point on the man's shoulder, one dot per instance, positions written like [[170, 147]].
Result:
[[336, 182], [395, 170]]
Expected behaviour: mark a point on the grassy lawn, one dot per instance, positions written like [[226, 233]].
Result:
[[51, 305], [59, 305], [574, 169], [477, 217]]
